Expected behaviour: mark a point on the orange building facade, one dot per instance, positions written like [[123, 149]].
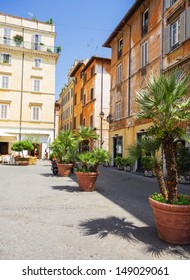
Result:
[[136, 53], [96, 97], [91, 101]]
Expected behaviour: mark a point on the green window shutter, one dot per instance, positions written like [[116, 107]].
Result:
[[187, 24], [167, 40], [182, 26]]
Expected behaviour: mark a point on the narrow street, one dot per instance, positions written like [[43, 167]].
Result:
[[46, 217]]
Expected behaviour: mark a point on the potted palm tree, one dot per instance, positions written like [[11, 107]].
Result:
[[88, 159], [166, 102], [64, 149], [87, 167]]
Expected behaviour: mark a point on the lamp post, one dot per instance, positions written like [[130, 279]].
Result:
[[101, 122]]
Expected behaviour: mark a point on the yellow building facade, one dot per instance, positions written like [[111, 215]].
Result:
[[28, 59]]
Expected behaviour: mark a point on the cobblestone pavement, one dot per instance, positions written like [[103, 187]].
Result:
[[46, 217]]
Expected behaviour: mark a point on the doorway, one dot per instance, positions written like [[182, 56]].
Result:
[[4, 148]]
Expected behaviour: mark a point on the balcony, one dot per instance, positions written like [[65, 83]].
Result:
[[29, 45]]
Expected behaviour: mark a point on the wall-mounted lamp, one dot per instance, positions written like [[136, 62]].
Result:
[[109, 118], [101, 115]]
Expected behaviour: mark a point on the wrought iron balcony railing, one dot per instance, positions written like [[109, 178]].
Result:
[[29, 45]]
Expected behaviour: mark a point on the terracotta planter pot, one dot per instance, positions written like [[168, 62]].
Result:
[[86, 181], [172, 221], [64, 169]]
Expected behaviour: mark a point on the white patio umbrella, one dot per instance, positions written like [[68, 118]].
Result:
[[6, 137]]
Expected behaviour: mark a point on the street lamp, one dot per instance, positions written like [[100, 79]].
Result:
[[101, 122]]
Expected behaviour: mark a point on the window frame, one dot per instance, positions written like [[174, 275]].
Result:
[[118, 111], [145, 22], [4, 111], [35, 115], [175, 42], [37, 62], [36, 85], [144, 54], [5, 84], [119, 73]]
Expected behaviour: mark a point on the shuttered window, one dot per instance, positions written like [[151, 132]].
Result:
[[3, 111], [7, 36], [36, 85], [177, 32], [5, 82], [118, 110], [144, 54], [35, 113], [119, 74]]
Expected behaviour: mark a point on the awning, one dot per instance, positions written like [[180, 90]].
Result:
[[6, 137]]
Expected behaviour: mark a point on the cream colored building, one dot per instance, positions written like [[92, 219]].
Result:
[[27, 80]]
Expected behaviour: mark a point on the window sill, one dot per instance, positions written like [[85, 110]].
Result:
[[37, 68], [5, 63]]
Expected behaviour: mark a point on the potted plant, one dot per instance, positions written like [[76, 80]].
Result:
[[87, 167], [118, 160], [165, 101], [58, 49], [147, 163], [18, 39], [21, 146], [64, 148], [183, 164], [127, 163]]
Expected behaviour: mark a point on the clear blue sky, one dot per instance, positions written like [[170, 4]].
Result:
[[82, 26]]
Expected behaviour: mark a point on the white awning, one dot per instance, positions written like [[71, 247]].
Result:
[[6, 137]]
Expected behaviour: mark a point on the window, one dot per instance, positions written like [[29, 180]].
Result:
[[91, 121], [35, 113], [5, 58], [81, 94], [118, 110], [3, 111], [91, 93], [92, 71], [74, 123], [7, 36], [175, 34], [119, 74], [37, 62], [120, 46], [85, 77], [81, 119], [75, 100], [36, 86], [145, 23], [84, 99], [84, 122], [36, 42], [144, 54], [5, 82]]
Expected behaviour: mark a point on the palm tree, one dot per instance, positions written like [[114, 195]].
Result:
[[85, 136], [65, 147], [149, 146], [166, 103]]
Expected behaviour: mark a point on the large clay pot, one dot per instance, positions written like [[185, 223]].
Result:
[[87, 180], [172, 221], [64, 169]]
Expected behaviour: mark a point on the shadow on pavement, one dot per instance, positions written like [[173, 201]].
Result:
[[132, 233], [66, 188]]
